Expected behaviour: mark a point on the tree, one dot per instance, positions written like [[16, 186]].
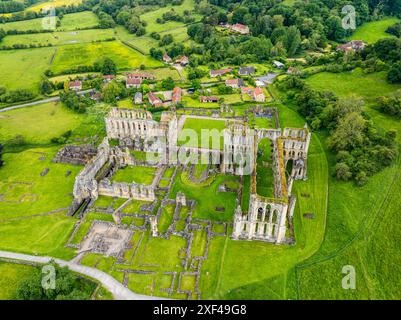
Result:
[[394, 74], [168, 84], [334, 28], [108, 66], [343, 172], [46, 87], [67, 286], [111, 91], [292, 40]]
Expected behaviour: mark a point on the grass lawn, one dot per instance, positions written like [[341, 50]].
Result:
[[85, 19], [140, 175], [86, 54], [193, 102], [264, 170], [23, 69], [361, 231], [40, 123], [194, 136], [25, 192], [53, 3], [11, 274], [374, 31], [366, 86], [59, 38], [208, 197], [151, 17]]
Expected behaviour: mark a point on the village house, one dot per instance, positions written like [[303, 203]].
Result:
[[247, 90], [258, 95], [293, 70], [235, 83], [278, 64], [154, 100], [166, 58], [96, 96], [209, 99], [138, 98], [177, 93], [239, 28], [217, 73], [352, 46], [246, 71], [75, 85], [108, 77], [133, 83], [142, 76], [184, 60]]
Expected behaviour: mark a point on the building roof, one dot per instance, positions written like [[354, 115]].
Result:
[[221, 71], [153, 99], [209, 98], [237, 82], [183, 59], [166, 57], [177, 91], [247, 70], [109, 76], [258, 91], [142, 75], [134, 81], [75, 83]]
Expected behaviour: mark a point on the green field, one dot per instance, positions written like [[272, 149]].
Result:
[[59, 38], [86, 54], [374, 31], [11, 274], [53, 3], [50, 120], [71, 21], [195, 133], [151, 16], [140, 175], [85, 19], [361, 231], [356, 83], [27, 73]]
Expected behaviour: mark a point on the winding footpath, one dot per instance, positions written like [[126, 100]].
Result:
[[116, 288]]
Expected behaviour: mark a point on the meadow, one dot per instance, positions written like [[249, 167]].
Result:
[[38, 124], [52, 3], [151, 17], [73, 21], [71, 56], [202, 140], [11, 274], [374, 31], [356, 83], [59, 38], [361, 231], [27, 73]]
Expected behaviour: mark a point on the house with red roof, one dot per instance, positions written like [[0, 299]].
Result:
[[133, 83], [184, 60], [177, 94], [258, 95], [208, 99], [239, 28], [75, 85], [235, 83], [108, 77], [154, 100], [166, 58], [217, 73], [141, 75]]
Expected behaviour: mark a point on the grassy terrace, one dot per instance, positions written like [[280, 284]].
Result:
[[374, 31], [195, 133], [264, 170], [361, 231], [207, 196], [140, 175], [59, 38], [11, 275]]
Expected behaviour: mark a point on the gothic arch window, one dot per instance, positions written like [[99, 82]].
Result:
[[275, 215]]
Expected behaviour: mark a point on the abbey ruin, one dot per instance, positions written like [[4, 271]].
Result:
[[267, 219]]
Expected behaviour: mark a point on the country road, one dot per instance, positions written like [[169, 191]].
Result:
[[116, 288], [34, 103]]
